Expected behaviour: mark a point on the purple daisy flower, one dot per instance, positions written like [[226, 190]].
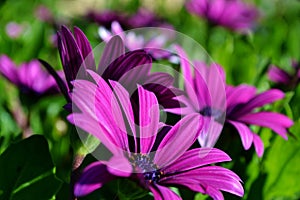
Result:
[[205, 94], [157, 157], [29, 77], [233, 14], [128, 68], [133, 41], [241, 104], [281, 77]]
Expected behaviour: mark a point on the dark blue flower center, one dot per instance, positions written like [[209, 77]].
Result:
[[144, 164], [211, 112]]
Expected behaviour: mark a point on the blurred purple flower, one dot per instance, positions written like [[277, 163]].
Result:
[[44, 14], [204, 94], [233, 14], [157, 157], [281, 77], [146, 18], [154, 46], [241, 104], [142, 18], [14, 30], [128, 68], [29, 77], [105, 18]]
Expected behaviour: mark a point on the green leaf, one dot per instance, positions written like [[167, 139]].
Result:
[[282, 168], [27, 171]]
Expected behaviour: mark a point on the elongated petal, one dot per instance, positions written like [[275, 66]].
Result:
[[178, 140], [85, 48], [119, 166], [215, 177], [93, 177], [278, 75], [125, 63], [8, 69], [239, 94], [148, 119], [125, 104], [259, 145], [188, 76], [275, 121], [70, 54], [196, 158], [113, 50], [262, 99], [245, 133], [60, 82], [163, 193], [91, 126]]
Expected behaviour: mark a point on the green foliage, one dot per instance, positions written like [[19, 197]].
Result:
[[26, 170]]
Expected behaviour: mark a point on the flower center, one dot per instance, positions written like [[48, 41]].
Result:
[[144, 164], [211, 112]]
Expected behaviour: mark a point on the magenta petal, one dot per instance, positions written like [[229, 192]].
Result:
[[278, 75], [239, 94], [85, 48], [275, 121], [163, 193], [262, 99], [124, 99], [214, 193], [196, 158], [245, 133], [188, 76], [119, 166], [8, 69], [113, 50], [93, 177], [216, 177], [148, 119], [178, 140], [259, 145]]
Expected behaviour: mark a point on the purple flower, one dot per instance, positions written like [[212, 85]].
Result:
[[133, 41], [241, 104], [233, 14], [14, 30], [156, 157], [142, 18], [128, 68], [204, 94], [281, 77], [29, 77]]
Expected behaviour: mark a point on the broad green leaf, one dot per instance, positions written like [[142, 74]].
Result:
[[27, 171], [281, 166]]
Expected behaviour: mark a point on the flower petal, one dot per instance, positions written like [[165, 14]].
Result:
[[178, 140], [85, 48], [148, 119], [113, 50], [261, 99], [245, 133], [8, 69], [275, 121], [215, 177], [259, 145], [119, 166], [125, 63], [93, 177], [163, 193], [196, 158]]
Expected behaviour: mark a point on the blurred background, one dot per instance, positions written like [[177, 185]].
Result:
[[28, 31]]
